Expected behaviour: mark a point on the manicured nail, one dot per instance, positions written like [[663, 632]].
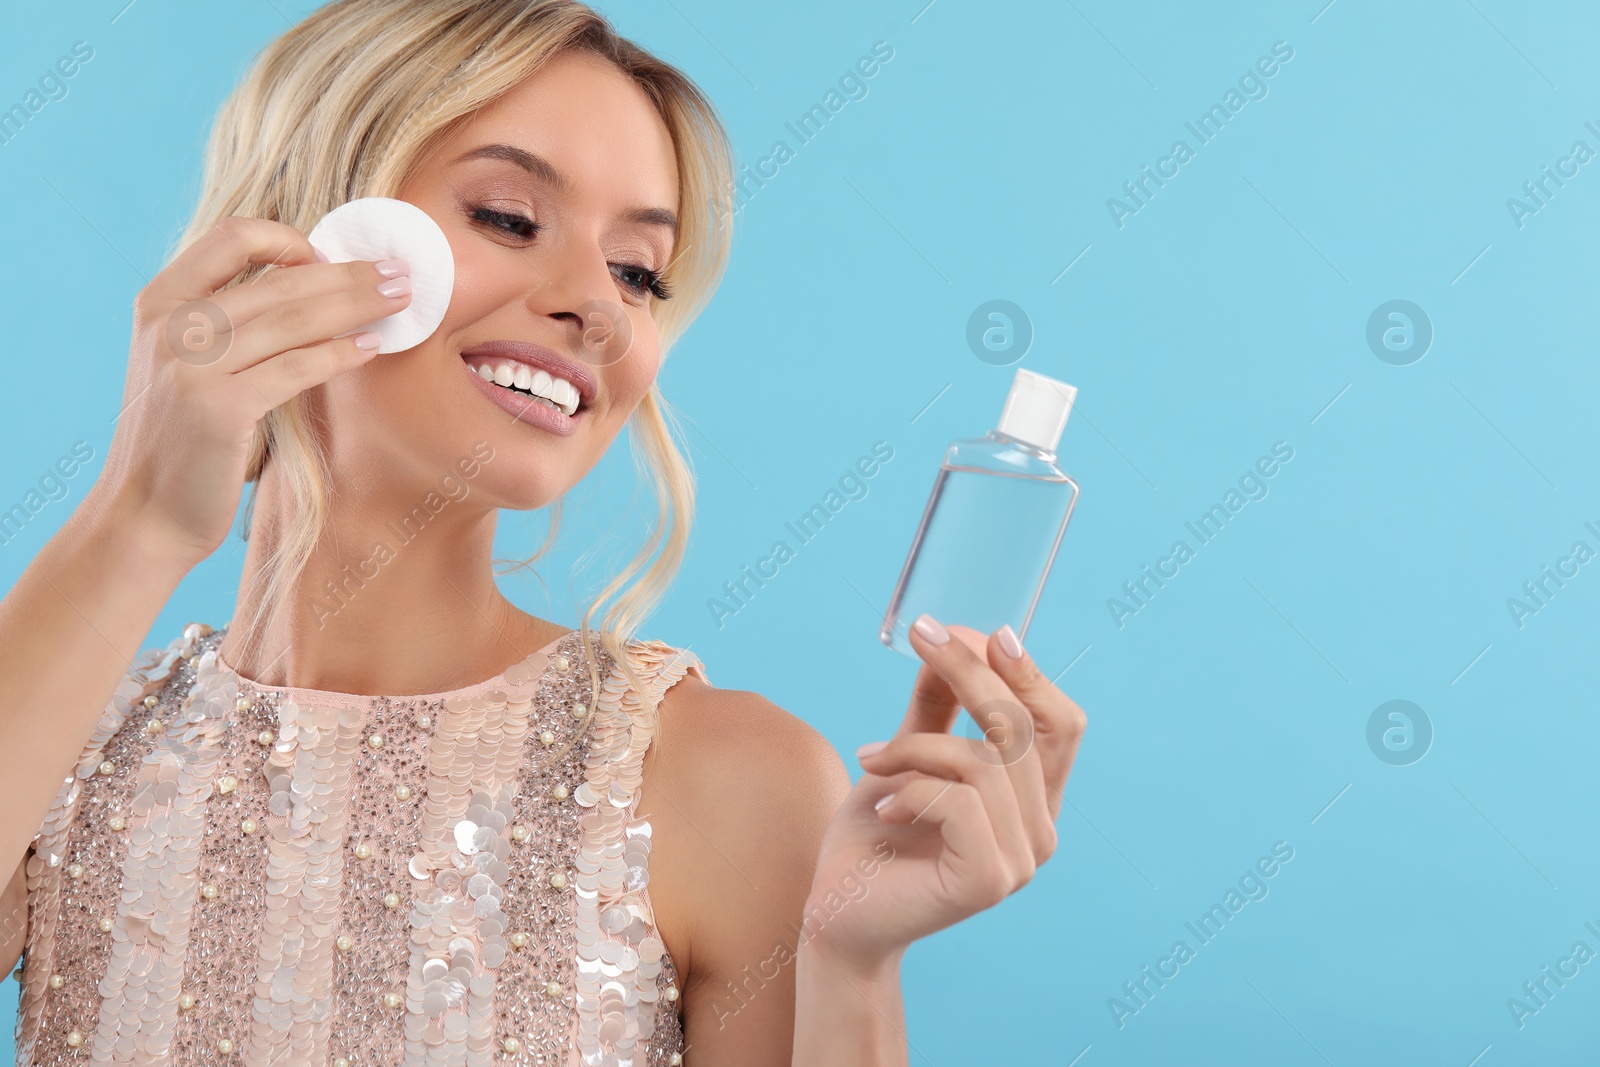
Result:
[[1009, 643], [931, 629], [392, 268], [320, 257], [883, 802], [396, 287], [871, 748], [368, 341]]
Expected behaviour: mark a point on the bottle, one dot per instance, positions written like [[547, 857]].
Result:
[[993, 523]]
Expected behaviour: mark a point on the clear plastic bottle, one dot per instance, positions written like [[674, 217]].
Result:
[[993, 523]]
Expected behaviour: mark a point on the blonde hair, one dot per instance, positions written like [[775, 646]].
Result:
[[347, 104]]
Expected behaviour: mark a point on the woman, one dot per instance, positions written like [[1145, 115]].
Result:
[[386, 816]]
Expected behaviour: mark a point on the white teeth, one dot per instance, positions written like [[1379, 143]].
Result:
[[558, 393]]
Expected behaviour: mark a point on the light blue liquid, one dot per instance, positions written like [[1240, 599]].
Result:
[[987, 539]]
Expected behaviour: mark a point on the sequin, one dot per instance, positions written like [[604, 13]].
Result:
[[194, 892]]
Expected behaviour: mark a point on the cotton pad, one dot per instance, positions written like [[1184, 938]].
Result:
[[377, 227]]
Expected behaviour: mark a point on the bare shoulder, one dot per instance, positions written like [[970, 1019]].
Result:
[[738, 758], [739, 792]]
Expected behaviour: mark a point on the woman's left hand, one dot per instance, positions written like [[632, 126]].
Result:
[[943, 826]]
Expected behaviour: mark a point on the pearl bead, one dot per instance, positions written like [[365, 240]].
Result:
[[151, 701], [552, 989], [208, 891], [579, 711], [264, 737], [363, 851], [672, 993], [225, 1047], [391, 900], [391, 1000], [249, 826], [375, 741], [548, 737], [558, 880], [242, 704], [106, 925], [560, 791], [153, 726], [343, 943], [340, 1061], [519, 832], [559, 662], [518, 940], [511, 1044], [117, 822], [185, 1001], [75, 870], [227, 784], [74, 1039], [424, 722], [56, 981], [108, 768], [402, 792]]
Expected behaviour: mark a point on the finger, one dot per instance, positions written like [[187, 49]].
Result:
[[958, 759], [1058, 721], [957, 657], [299, 323], [286, 285], [288, 374], [217, 257], [972, 860]]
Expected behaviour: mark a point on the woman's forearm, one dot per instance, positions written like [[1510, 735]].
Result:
[[847, 1015], [69, 629]]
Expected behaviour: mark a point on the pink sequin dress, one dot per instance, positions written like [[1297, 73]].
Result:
[[245, 874]]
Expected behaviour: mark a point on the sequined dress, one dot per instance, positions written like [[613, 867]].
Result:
[[246, 874]]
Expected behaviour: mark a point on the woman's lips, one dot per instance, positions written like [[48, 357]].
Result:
[[526, 409]]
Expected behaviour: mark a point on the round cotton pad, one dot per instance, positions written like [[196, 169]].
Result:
[[375, 228]]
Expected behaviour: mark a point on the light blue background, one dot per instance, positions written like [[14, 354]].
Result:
[[1223, 317]]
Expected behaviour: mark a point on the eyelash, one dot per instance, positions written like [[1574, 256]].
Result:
[[525, 229]]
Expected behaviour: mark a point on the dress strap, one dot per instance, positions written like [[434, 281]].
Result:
[[620, 953]]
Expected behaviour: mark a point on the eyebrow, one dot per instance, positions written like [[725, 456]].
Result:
[[545, 172]]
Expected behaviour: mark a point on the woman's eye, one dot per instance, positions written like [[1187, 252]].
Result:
[[519, 226], [641, 280]]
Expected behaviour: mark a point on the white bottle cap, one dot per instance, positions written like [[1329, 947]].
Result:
[[1036, 409]]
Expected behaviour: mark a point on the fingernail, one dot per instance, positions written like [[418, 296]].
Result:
[[368, 341], [883, 802], [1009, 643], [392, 268], [320, 257], [871, 748], [396, 287], [931, 629]]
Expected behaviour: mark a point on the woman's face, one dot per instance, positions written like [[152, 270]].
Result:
[[559, 201]]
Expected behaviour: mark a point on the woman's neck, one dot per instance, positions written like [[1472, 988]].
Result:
[[394, 599]]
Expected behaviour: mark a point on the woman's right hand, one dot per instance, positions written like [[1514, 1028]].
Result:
[[205, 366]]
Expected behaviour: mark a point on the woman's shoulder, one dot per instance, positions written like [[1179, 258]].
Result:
[[733, 730]]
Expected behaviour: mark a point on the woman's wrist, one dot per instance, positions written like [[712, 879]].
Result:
[[132, 535], [849, 1011]]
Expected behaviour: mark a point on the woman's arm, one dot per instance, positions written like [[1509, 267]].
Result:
[[171, 485], [69, 628], [739, 794], [788, 899]]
